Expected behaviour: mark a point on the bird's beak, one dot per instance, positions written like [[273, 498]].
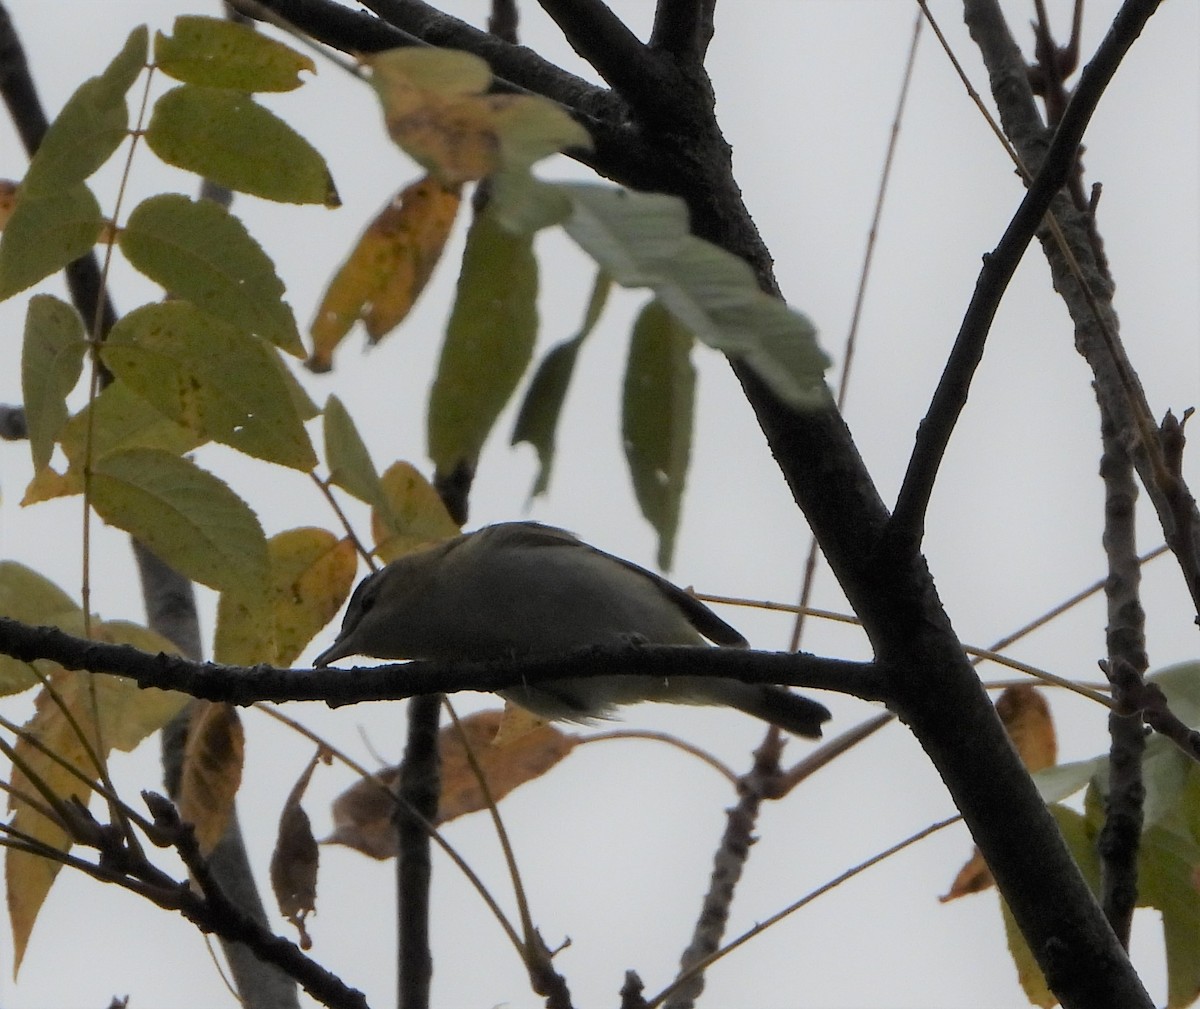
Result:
[[337, 650]]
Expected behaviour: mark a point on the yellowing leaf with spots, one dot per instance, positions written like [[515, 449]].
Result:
[[415, 515], [387, 270], [312, 573], [435, 109]]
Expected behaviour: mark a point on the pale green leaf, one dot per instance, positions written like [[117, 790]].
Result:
[[443, 72], [45, 233], [32, 599], [51, 362], [1062, 780], [346, 455], [90, 126], [489, 341], [658, 404], [642, 240], [227, 137], [522, 203], [538, 416], [415, 514], [223, 54], [210, 377], [199, 251], [186, 516], [121, 420]]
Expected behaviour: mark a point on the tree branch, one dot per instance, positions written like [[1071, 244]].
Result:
[[245, 685], [683, 28], [638, 74], [1053, 171], [1126, 639]]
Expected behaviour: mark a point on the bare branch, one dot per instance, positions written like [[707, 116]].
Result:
[[1123, 813], [1020, 121], [635, 72], [245, 685]]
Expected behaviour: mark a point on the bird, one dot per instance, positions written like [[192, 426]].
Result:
[[523, 589]]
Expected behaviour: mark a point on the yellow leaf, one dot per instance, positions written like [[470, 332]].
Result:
[[312, 573], [387, 270], [416, 515], [212, 771], [127, 715], [48, 483]]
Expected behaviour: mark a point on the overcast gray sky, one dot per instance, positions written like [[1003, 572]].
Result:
[[616, 844]]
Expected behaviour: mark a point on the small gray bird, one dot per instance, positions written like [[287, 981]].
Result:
[[522, 588]]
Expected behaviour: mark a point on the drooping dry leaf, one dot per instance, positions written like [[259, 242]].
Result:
[[294, 860], [1026, 718], [362, 815], [212, 771]]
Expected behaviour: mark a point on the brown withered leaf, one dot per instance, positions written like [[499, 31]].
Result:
[[212, 770], [294, 860], [1026, 718], [362, 815], [387, 269], [505, 766]]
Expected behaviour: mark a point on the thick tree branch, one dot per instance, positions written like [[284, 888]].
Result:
[[1053, 172], [241, 685], [638, 74], [683, 28]]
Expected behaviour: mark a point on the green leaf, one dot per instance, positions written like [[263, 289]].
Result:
[[199, 251], [33, 599], [489, 341], [211, 378], [642, 240], [1062, 780], [90, 126], [122, 420], [538, 417], [523, 204], [45, 233], [186, 516], [51, 362], [222, 54], [346, 455], [656, 424], [227, 137]]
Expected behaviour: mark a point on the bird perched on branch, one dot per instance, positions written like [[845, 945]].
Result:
[[525, 589]]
